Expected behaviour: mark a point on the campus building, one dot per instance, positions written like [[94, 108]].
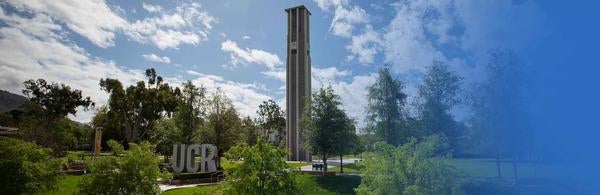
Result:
[[298, 88]]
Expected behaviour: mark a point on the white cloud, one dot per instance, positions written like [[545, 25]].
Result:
[[155, 58], [94, 20], [276, 74], [244, 56], [35, 47], [246, 37], [416, 35], [173, 28], [151, 8], [346, 19], [345, 16], [366, 45], [246, 97], [353, 93], [354, 96], [99, 22], [330, 73]]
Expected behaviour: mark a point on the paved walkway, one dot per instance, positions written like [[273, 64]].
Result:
[[164, 187], [330, 163]]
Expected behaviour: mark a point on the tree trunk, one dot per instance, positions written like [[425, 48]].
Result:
[[128, 131], [324, 164], [341, 164], [498, 162]]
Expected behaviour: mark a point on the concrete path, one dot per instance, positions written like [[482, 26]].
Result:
[[330, 163], [164, 187]]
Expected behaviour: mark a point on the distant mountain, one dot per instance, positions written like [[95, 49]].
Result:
[[10, 101]]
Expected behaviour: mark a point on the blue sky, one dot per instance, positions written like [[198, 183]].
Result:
[[239, 46]]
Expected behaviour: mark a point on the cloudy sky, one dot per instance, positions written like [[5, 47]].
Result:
[[239, 46]]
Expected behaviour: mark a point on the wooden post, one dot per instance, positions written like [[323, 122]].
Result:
[[98, 142]]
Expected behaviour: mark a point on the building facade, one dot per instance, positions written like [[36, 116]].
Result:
[[298, 88]]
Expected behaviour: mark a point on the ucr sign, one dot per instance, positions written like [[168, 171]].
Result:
[[183, 158]]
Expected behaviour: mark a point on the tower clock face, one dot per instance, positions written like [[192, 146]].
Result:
[[293, 45]]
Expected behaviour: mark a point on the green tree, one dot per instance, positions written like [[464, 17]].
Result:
[[54, 101], [263, 171], [437, 95], [325, 125], [498, 115], [347, 142], [412, 168], [190, 111], [187, 121], [133, 171], [272, 121], [47, 106], [140, 105], [223, 123], [26, 167], [385, 116], [111, 123], [167, 134], [249, 133]]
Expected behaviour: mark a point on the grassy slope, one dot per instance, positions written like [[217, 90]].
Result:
[[309, 184]]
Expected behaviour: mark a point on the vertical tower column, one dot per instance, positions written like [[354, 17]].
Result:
[[298, 86]]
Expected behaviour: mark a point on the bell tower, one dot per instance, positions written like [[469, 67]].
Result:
[[298, 88]]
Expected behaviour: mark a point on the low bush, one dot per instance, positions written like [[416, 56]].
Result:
[[133, 171], [413, 168], [263, 171], [26, 167]]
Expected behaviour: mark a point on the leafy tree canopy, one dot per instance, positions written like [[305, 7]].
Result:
[[326, 125], [437, 95], [412, 168], [26, 167], [223, 123], [140, 105], [54, 100], [272, 121], [385, 116], [45, 120], [263, 171], [133, 171]]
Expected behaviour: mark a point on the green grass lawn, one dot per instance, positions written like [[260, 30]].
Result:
[[487, 168], [308, 184], [66, 185], [298, 164], [311, 184], [200, 190], [349, 168]]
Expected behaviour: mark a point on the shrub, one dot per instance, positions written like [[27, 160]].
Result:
[[133, 171], [413, 168], [26, 167], [263, 171]]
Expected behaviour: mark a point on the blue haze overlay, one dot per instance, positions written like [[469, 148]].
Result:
[[552, 105]]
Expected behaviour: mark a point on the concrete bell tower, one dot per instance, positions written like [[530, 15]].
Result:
[[298, 88]]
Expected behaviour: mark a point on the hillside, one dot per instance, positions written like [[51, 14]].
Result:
[[10, 101]]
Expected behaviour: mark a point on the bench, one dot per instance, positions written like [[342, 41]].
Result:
[[317, 166]]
